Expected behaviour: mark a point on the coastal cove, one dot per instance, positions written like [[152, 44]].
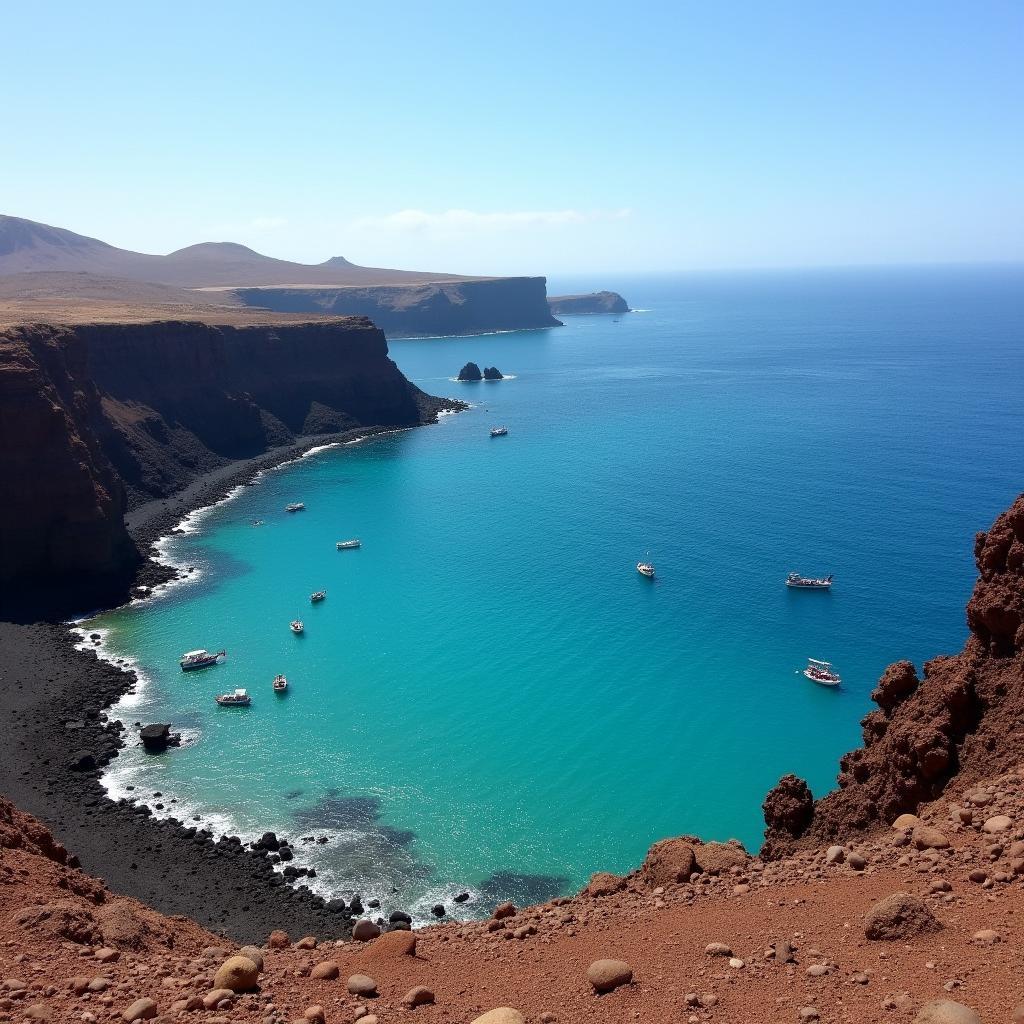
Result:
[[490, 698]]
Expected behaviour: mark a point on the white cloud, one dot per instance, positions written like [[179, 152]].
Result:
[[466, 221]]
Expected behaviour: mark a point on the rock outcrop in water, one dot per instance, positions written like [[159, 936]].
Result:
[[960, 720], [493, 373], [470, 372], [95, 418], [593, 303]]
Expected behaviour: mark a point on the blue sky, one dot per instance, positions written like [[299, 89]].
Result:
[[527, 138]]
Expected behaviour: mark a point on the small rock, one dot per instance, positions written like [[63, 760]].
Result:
[[987, 937], [255, 954], [141, 1009], [503, 910], [606, 975], [945, 1011], [361, 985], [107, 955], [420, 995], [856, 861], [927, 838], [1000, 823], [835, 855], [604, 883], [783, 952], [905, 822], [978, 875], [817, 971], [278, 940], [314, 1014], [899, 916], [365, 930], [307, 942], [237, 973], [213, 999], [809, 1013], [326, 970], [506, 1015], [718, 949]]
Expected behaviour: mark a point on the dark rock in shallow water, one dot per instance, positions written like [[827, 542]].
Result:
[[462, 897], [400, 915], [158, 737], [438, 910], [470, 372], [493, 373]]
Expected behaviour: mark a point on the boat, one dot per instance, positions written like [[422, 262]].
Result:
[[317, 595], [296, 506], [297, 626], [348, 545], [200, 659], [237, 699], [280, 684], [821, 672], [794, 579], [499, 431], [645, 569]]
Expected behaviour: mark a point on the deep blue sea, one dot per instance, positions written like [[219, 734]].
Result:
[[491, 698]]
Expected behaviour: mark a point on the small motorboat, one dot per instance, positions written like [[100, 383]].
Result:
[[237, 699], [200, 659], [794, 579], [317, 595], [297, 626], [646, 566], [499, 431], [280, 684], [296, 506], [257, 522], [348, 545], [821, 672]]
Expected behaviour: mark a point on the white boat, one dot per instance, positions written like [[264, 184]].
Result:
[[297, 626], [237, 699], [280, 684], [317, 595], [348, 545], [821, 672], [794, 579], [645, 569], [499, 431], [295, 506], [200, 659]]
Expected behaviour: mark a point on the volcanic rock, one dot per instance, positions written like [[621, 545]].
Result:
[[604, 883], [141, 1009], [361, 985], [668, 861], [419, 995], [606, 975], [899, 916], [237, 973], [470, 372], [492, 373]]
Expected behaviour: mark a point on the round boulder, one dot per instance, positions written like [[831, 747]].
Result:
[[945, 1011], [361, 985], [606, 975], [278, 940], [420, 995], [668, 861], [500, 1015], [237, 973], [255, 954], [927, 838], [905, 822], [999, 823], [141, 1009], [326, 970], [365, 930], [899, 916]]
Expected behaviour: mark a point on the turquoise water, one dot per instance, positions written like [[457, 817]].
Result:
[[491, 697]]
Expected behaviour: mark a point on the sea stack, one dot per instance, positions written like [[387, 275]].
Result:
[[493, 373], [470, 372], [594, 303]]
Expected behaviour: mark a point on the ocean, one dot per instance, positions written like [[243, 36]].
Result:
[[491, 698]]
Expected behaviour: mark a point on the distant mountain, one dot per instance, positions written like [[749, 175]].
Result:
[[29, 247]]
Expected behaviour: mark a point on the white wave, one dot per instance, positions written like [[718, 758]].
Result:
[[319, 448]]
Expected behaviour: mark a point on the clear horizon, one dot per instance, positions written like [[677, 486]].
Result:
[[554, 140]]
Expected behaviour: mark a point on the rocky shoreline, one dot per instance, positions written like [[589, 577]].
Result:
[[55, 743]]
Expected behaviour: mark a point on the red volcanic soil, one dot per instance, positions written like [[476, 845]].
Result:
[[61, 931]]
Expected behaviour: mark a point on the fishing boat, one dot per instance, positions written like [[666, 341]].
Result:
[[794, 579], [646, 567], [317, 595], [821, 672], [499, 431], [348, 545], [296, 506], [297, 626], [200, 659], [237, 699], [280, 684]]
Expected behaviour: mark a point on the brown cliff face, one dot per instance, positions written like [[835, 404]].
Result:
[[963, 721], [61, 515], [95, 418]]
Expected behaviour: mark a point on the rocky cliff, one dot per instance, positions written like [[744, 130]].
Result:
[[594, 302], [960, 721], [437, 308], [95, 418]]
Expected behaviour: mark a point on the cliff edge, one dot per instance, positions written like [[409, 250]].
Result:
[[961, 721]]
